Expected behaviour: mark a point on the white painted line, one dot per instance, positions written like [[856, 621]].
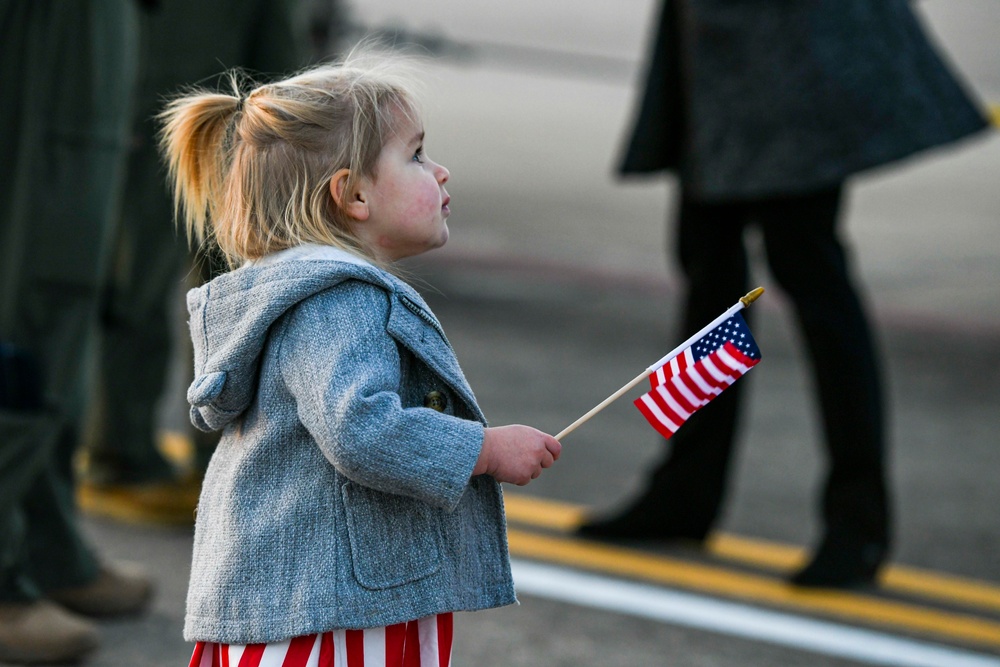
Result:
[[730, 618]]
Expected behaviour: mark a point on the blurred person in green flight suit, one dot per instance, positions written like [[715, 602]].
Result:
[[67, 69], [131, 469]]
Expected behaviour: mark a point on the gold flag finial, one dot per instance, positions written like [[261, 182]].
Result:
[[751, 296]]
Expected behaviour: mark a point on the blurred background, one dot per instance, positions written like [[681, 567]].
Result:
[[531, 105]]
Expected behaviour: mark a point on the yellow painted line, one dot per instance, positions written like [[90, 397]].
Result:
[[934, 586], [719, 581], [994, 111], [760, 553], [543, 513]]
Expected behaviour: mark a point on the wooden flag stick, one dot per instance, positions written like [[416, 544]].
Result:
[[744, 301], [603, 404]]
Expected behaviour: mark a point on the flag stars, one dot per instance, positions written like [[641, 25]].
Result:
[[733, 330]]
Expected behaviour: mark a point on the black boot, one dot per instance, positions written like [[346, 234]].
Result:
[[842, 563], [684, 492], [649, 517]]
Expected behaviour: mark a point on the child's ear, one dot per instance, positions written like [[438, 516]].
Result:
[[354, 204]]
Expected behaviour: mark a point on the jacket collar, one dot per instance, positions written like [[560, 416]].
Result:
[[435, 350]]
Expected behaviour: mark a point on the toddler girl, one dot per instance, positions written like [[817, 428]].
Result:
[[353, 502]]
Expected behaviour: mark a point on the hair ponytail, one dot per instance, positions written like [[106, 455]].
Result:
[[252, 173], [194, 141]]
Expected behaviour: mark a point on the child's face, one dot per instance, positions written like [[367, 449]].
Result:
[[407, 202]]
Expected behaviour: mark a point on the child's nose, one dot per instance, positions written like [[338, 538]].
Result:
[[443, 174]]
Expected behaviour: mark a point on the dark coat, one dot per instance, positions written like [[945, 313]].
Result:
[[756, 98]]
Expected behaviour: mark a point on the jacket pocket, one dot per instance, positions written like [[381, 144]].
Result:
[[393, 538]]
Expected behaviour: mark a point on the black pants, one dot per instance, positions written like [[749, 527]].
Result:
[[809, 263]]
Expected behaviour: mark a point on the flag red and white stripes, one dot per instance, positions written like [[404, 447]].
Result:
[[425, 642], [693, 373], [690, 380]]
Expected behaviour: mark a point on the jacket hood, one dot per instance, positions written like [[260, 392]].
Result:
[[230, 318]]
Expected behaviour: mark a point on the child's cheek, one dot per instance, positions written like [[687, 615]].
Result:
[[421, 204]]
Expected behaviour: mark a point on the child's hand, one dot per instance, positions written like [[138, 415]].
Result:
[[516, 454]]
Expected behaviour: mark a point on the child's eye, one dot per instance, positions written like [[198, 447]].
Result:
[[419, 155]]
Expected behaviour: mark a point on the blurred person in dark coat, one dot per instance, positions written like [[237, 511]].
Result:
[[184, 43], [67, 71], [763, 110]]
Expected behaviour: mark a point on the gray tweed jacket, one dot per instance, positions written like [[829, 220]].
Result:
[[335, 499], [756, 98]]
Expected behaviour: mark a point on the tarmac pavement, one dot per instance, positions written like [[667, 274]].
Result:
[[555, 290]]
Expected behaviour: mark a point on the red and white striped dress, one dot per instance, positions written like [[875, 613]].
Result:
[[425, 642]]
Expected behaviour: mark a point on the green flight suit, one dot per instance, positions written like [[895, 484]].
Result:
[[67, 71], [184, 43]]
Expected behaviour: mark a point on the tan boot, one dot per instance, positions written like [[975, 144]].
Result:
[[119, 590], [43, 632]]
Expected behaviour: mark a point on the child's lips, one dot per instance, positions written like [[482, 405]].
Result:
[[444, 204]]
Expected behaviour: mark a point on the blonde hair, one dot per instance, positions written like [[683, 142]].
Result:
[[252, 173]]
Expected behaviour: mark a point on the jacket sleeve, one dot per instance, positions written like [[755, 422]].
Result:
[[343, 370]]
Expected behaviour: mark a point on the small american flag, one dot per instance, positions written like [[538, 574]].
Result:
[[692, 378]]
